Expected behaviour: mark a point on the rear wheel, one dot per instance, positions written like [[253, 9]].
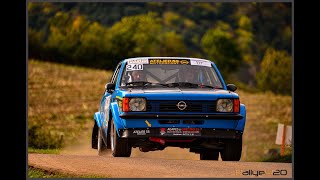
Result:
[[119, 146], [102, 148], [209, 154], [232, 150]]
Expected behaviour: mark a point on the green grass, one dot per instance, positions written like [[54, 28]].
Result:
[[41, 173], [62, 100]]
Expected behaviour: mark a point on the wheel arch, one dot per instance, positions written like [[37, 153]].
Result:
[[115, 116], [96, 117]]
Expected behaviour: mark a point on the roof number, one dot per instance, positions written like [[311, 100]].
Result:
[[134, 67]]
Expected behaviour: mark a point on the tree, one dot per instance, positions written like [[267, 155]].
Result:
[[135, 36], [219, 45], [172, 45], [276, 72]]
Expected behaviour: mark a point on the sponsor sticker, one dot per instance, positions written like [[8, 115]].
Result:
[[191, 131], [169, 61], [148, 123], [181, 131], [174, 131], [138, 61], [162, 131], [134, 67], [200, 63], [141, 132]]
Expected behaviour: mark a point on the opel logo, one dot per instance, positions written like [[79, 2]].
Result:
[[182, 105]]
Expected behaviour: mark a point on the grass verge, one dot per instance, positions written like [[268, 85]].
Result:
[[284, 159], [41, 173]]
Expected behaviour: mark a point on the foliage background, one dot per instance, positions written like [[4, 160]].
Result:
[[236, 36]]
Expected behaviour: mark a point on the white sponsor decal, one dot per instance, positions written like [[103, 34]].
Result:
[[138, 61], [141, 132], [200, 63], [134, 67], [174, 131], [182, 131]]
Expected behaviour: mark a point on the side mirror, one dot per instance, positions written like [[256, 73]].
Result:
[[110, 87], [232, 87]]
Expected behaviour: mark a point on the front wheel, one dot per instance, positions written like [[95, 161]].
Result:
[[102, 148], [119, 146], [232, 150]]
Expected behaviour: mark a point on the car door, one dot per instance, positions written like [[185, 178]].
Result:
[[106, 100]]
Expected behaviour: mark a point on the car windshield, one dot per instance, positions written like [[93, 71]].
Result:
[[170, 75]]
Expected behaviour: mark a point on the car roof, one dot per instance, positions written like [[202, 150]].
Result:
[[188, 58]]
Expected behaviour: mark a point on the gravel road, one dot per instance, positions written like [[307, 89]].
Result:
[[170, 163]]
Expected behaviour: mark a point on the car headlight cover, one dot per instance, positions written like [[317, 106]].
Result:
[[137, 104], [224, 105]]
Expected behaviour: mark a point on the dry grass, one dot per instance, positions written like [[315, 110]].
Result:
[[264, 112], [62, 99]]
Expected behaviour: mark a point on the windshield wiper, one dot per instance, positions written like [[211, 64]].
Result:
[[144, 83], [150, 83], [182, 84], [211, 87], [140, 83], [188, 84]]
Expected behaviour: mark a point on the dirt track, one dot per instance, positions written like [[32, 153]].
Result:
[[172, 162]]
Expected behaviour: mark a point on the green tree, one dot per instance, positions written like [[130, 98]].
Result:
[[219, 45], [94, 48], [245, 38], [136, 36], [65, 36], [172, 45], [276, 72]]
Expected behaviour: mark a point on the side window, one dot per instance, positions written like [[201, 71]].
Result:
[[115, 74]]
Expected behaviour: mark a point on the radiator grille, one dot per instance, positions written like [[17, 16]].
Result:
[[171, 106]]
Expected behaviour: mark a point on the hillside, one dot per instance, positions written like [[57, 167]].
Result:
[[62, 100]]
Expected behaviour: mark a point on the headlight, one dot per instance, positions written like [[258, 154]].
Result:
[[224, 105], [135, 104]]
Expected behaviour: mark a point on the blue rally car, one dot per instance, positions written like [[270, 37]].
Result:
[[156, 102]]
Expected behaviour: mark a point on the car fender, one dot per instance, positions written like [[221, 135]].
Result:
[[242, 122], [115, 114]]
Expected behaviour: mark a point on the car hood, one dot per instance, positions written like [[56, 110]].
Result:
[[180, 93]]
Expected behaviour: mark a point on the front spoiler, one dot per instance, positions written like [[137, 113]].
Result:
[[162, 132]]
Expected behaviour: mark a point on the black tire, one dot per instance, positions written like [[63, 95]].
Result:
[[94, 137], [209, 154], [102, 148], [232, 150], [119, 146]]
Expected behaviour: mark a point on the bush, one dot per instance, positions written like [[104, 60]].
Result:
[[276, 72], [41, 138], [221, 48]]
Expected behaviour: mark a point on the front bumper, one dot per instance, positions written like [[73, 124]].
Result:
[[179, 133], [133, 115]]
